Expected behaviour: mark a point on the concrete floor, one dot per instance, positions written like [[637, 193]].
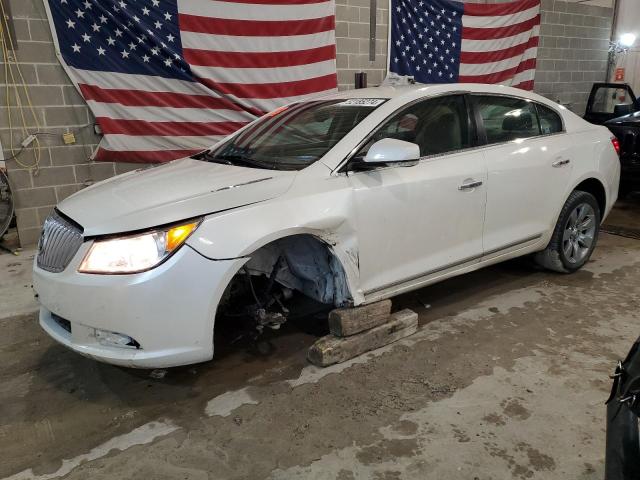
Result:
[[506, 378]]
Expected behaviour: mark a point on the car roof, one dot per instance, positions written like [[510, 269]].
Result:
[[425, 90]]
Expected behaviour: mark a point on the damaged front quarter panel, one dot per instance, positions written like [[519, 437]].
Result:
[[305, 264], [311, 229]]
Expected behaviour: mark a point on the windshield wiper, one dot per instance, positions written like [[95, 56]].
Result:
[[237, 160]]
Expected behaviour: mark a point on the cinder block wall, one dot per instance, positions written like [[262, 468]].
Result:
[[352, 41], [63, 169], [572, 56], [574, 43]]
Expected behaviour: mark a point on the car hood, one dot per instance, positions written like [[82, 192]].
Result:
[[632, 119], [169, 193]]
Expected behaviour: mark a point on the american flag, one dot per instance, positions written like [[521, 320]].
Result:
[[442, 41], [168, 78]]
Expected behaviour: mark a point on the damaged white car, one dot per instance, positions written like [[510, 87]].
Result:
[[347, 199]]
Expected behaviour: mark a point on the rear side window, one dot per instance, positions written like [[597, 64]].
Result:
[[506, 119], [550, 121]]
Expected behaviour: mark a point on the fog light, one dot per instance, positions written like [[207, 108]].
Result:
[[113, 339]]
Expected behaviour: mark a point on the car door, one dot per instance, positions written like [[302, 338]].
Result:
[[528, 167], [417, 220], [608, 101]]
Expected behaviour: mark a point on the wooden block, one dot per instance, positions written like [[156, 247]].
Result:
[[330, 349], [349, 321]]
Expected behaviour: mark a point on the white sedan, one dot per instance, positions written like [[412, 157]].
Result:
[[346, 199]]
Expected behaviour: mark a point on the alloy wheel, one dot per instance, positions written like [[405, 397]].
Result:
[[579, 233]]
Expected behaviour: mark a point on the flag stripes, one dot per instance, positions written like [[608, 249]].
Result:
[[500, 43], [168, 78]]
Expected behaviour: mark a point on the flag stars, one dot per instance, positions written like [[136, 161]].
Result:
[[111, 41], [170, 38], [124, 54], [79, 13], [87, 5], [71, 24], [86, 38], [103, 19], [146, 58], [95, 27], [76, 48], [101, 51], [168, 16], [118, 32], [145, 11], [168, 62], [158, 25]]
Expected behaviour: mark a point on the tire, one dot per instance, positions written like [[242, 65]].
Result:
[[571, 245]]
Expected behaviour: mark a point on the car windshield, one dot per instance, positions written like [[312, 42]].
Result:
[[293, 137]]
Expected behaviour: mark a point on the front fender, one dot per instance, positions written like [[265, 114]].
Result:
[[325, 213]]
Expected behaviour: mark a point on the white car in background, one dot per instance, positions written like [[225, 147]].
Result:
[[347, 199]]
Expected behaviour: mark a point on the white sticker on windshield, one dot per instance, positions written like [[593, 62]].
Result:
[[361, 102]]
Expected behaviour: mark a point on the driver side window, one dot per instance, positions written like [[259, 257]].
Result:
[[437, 126]]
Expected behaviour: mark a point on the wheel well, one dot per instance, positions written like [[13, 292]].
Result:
[[595, 188], [304, 263]]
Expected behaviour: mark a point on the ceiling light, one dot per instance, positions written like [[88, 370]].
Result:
[[627, 40]]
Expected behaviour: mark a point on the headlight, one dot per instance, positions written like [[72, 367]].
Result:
[[135, 253]]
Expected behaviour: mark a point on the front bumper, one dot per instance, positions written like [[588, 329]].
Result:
[[169, 310]]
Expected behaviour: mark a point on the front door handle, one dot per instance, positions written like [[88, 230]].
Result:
[[561, 163], [470, 185]]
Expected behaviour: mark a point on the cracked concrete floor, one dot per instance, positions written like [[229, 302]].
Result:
[[506, 378]]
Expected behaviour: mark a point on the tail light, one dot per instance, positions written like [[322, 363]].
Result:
[[616, 145]]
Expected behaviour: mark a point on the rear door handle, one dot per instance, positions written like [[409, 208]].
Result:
[[561, 163], [470, 185]]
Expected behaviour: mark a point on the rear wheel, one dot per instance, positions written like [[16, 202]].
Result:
[[575, 235]]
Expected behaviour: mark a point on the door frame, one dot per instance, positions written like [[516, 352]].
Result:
[[343, 166]]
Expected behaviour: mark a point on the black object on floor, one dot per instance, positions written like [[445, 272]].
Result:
[[622, 460]]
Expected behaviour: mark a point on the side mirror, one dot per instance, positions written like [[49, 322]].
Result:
[[391, 150]]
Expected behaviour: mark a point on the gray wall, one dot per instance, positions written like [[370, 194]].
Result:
[[574, 42], [572, 56]]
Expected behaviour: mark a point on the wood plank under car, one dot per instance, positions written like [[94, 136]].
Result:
[[344, 322], [331, 349]]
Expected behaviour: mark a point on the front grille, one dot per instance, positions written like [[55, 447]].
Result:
[[59, 242]]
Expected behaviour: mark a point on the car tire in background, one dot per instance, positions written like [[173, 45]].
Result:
[[6, 204], [575, 235]]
